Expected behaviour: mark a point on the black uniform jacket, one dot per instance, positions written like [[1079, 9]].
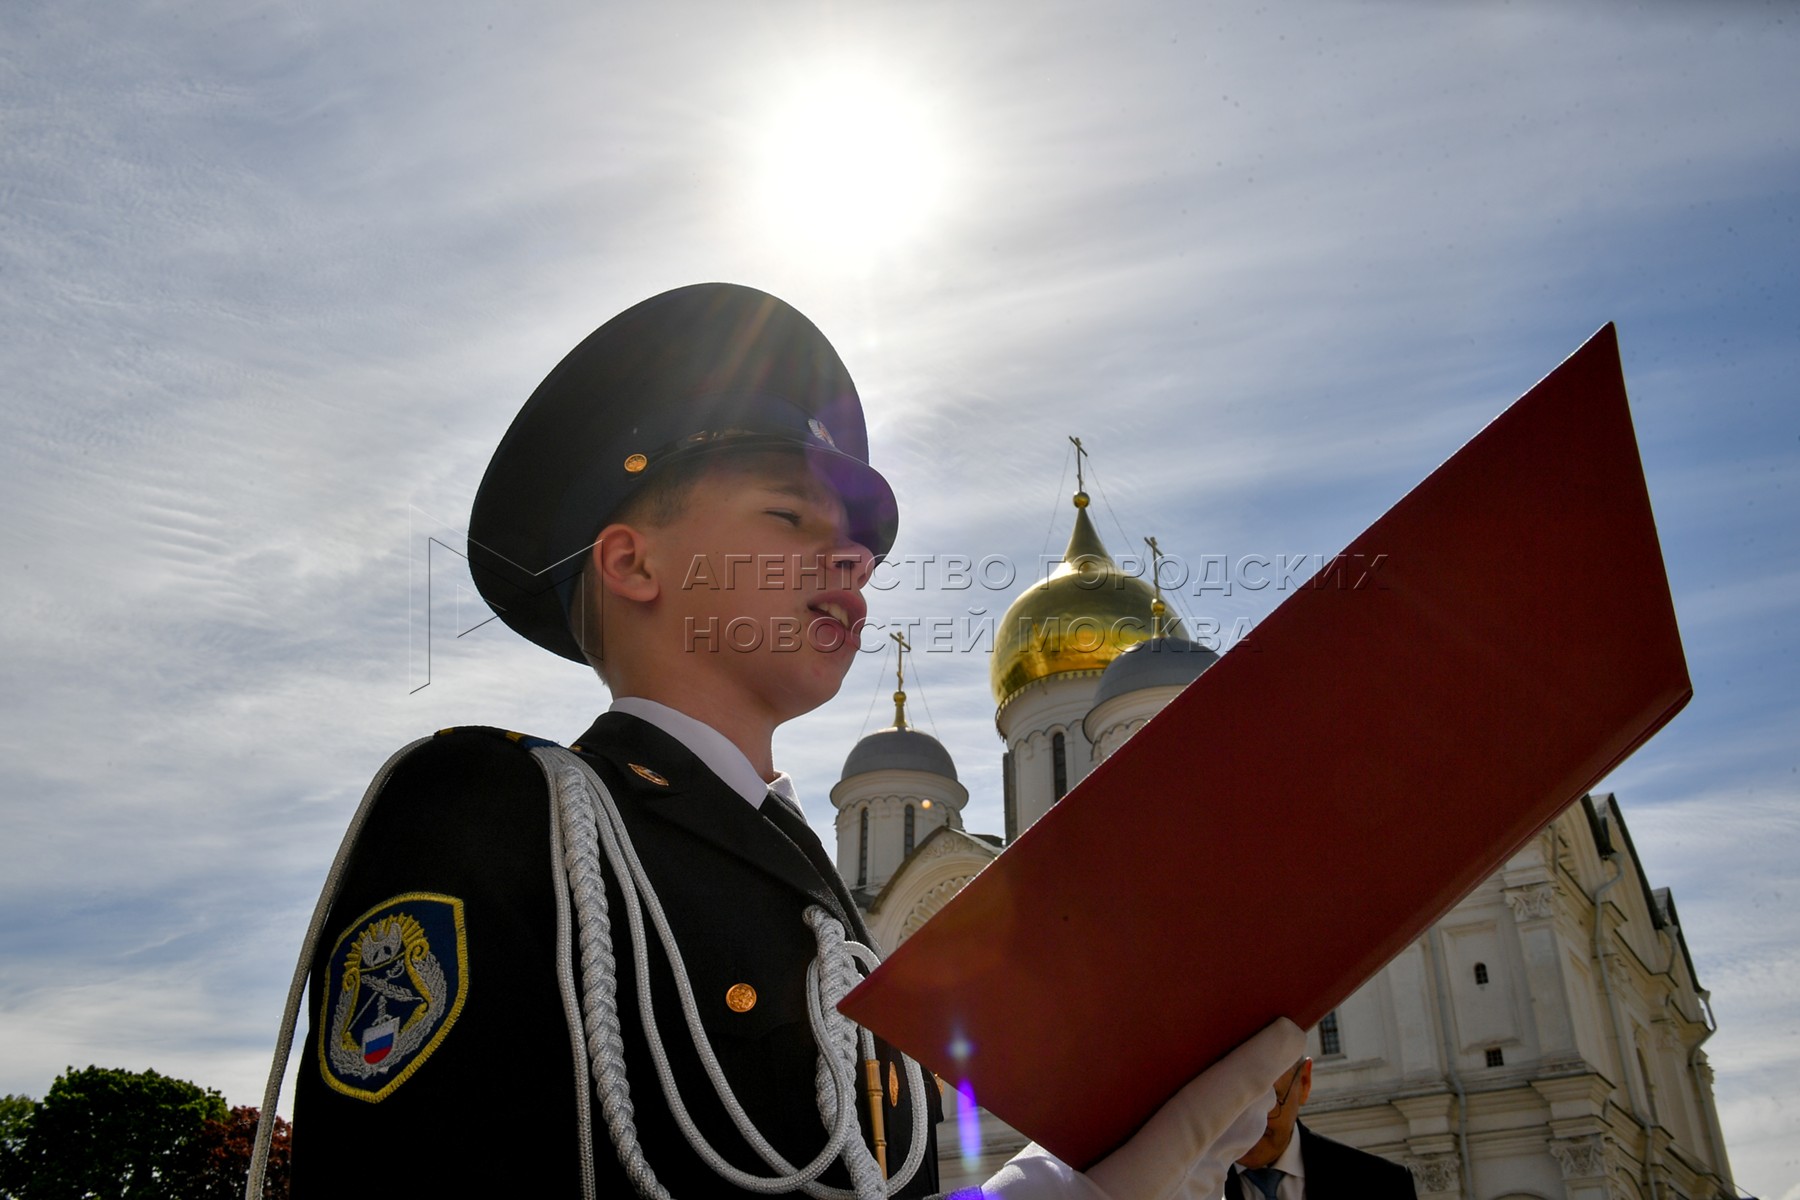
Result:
[[1335, 1171], [479, 1074]]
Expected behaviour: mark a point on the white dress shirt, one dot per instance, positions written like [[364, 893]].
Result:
[[1293, 1179]]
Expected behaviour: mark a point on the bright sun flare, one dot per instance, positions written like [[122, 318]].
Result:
[[851, 165]]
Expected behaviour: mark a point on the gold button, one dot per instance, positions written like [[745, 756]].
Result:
[[635, 463], [646, 773], [893, 1085], [740, 997]]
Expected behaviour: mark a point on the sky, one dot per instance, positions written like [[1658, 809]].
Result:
[[277, 277]]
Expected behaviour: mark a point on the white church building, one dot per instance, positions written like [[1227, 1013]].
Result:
[[1544, 1040]]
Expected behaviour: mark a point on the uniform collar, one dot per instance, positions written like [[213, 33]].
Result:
[[712, 748]]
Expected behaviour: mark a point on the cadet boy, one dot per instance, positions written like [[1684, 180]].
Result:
[[613, 969]]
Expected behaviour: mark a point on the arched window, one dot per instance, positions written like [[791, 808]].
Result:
[[1059, 765], [862, 849], [1481, 973], [909, 832]]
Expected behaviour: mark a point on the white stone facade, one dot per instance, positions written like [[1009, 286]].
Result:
[[1519, 1049], [935, 872], [873, 812], [1029, 724]]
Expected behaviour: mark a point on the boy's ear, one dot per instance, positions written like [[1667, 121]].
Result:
[[622, 565]]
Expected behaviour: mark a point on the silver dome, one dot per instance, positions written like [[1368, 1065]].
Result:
[[1156, 663], [902, 749]]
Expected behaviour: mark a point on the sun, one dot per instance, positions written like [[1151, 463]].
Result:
[[850, 164]]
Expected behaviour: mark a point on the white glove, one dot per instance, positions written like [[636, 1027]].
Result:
[[1184, 1151]]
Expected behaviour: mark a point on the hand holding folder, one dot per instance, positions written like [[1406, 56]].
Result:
[[1184, 1151], [1480, 656]]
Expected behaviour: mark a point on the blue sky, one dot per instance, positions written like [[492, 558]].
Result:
[[278, 276]]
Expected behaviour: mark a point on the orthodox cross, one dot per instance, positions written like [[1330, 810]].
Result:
[[1157, 609], [900, 678], [1080, 453]]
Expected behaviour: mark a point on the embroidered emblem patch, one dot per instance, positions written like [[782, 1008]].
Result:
[[394, 985]]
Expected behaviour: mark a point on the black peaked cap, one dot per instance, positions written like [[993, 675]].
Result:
[[701, 369]]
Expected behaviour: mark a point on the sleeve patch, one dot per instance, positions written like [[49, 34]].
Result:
[[394, 985]]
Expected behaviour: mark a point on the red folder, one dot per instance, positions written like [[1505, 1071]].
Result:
[[1384, 741]]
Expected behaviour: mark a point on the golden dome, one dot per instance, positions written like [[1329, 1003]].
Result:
[[1077, 620]]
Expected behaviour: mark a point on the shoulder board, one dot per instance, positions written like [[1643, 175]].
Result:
[[522, 740]]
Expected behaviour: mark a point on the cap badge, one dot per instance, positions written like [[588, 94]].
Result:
[[819, 431], [635, 463]]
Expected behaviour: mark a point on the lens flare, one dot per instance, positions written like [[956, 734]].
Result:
[[968, 1123]]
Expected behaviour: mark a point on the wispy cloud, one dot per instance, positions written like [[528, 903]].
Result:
[[277, 281]]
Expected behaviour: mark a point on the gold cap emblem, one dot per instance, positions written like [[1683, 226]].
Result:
[[646, 773], [635, 463], [740, 997]]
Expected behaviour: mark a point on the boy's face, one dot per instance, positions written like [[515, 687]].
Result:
[[762, 585]]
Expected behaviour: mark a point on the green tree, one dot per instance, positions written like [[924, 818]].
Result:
[[136, 1135], [15, 1127]]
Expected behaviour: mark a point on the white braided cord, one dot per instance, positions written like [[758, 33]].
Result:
[[571, 997], [591, 826]]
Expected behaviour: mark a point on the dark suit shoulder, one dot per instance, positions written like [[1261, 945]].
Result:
[[465, 763], [1334, 1169], [464, 811]]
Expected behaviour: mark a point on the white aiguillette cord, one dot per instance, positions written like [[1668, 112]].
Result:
[[591, 827]]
